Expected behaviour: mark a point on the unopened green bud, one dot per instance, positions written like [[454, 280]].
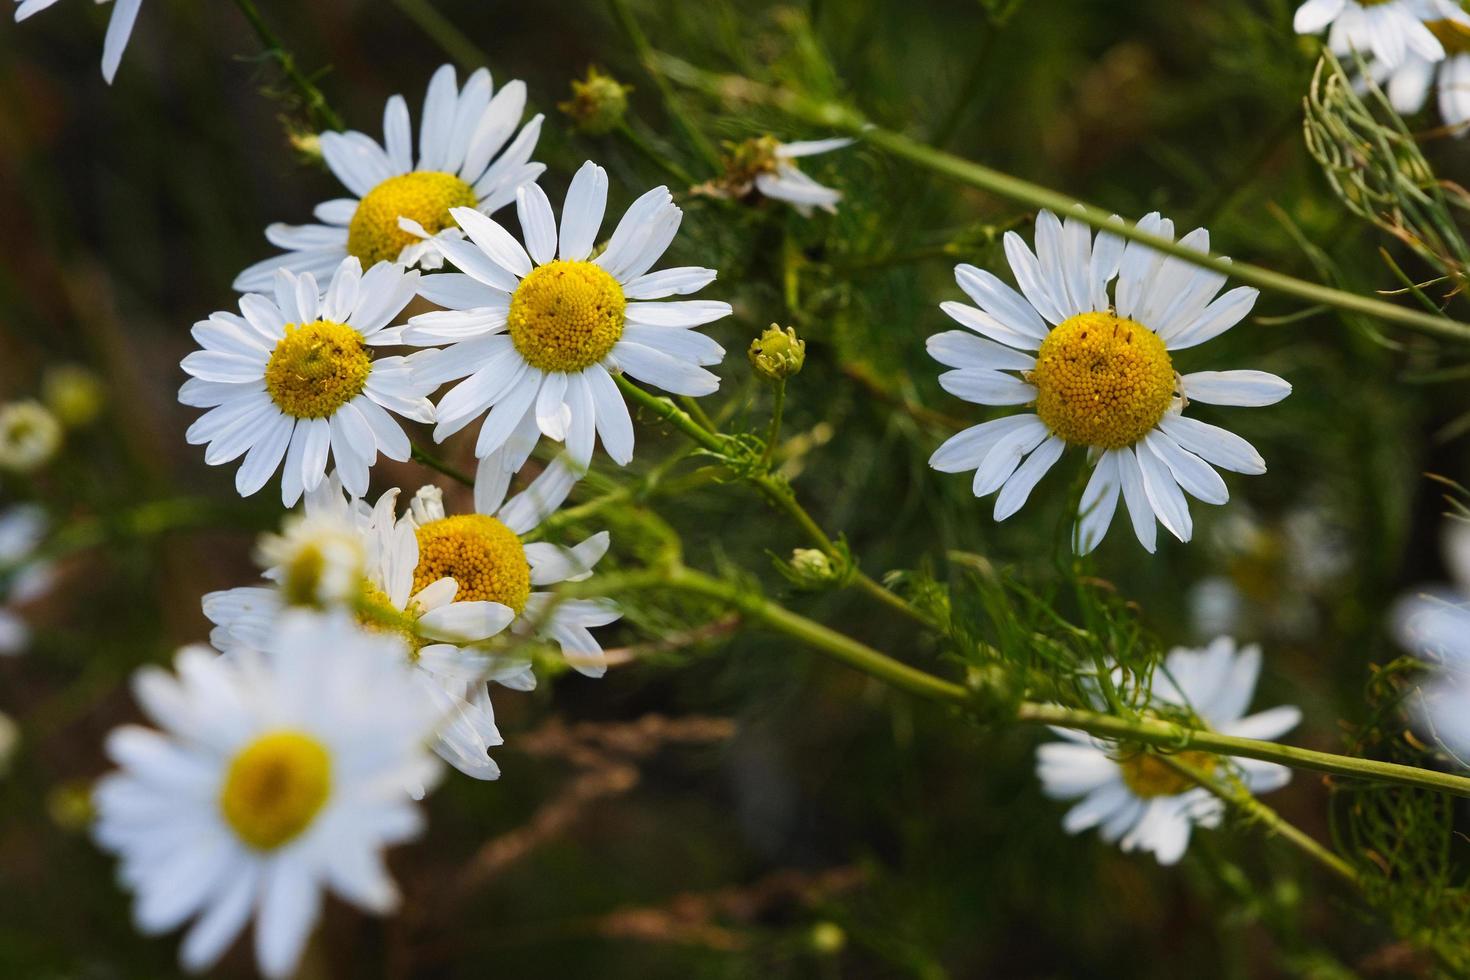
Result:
[[777, 354], [597, 104], [74, 393], [811, 563]]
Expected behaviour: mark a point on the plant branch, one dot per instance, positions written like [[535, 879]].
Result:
[[321, 112]]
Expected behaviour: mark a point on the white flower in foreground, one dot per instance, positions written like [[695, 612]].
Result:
[[294, 377], [119, 29], [1098, 373], [463, 161], [538, 332], [29, 436], [1134, 797], [276, 775], [1436, 626], [1391, 30], [22, 580], [1408, 84]]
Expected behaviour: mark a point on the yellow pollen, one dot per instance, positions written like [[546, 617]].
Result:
[[275, 787], [1452, 34], [376, 612], [317, 368], [482, 555], [566, 316], [424, 195], [1102, 381], [1148, 775]]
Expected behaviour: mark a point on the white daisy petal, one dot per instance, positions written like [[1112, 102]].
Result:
[[1248, 389]]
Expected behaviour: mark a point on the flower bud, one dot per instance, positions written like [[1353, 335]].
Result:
[[597, 104], [777, 354], [74, 394], [29, 436]]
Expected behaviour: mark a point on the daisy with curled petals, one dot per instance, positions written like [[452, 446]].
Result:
[[1097, 373], [1133, 796], [1391, 30], [1435, 625], [538, 331], [466, 158], [1408, 84], [119, 29], [293, 377], [276, 775]]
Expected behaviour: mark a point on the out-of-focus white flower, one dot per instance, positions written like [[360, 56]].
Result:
[[29, 436], [466, 159], [276, 775], [119, 29], [1409, 82], [1435, 625], [1133, 796], [317, 560], [24, 580], [766, 166], [1391, 30]]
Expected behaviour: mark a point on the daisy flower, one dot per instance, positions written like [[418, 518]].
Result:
[[1136, 799], [22, 580], [1435, 624], [294, 376], [467, 158], [1391, 30], [538, 332], [1408, 84], [30, 436], [767, 166], [1097, 373], [119, 29], [276, 775]]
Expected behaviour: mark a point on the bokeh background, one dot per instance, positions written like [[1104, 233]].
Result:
[[725, 804]]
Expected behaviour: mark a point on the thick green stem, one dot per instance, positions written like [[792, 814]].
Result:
[[736, 88], [317, 107]]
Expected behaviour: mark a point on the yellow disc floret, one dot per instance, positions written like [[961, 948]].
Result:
[[376, 612], [1148, 775], [1102, 381], [317, 368], [483, 556], [424, 195], [1453, 35], [274, 788], [566, 316]]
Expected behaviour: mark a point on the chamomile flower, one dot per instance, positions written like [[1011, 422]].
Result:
[[119, 29], [466, 158], [766, 166], [30, 436], [1435, 625], [1391, 30], [276, 775], [538, 332], [1097, 373], [1134, 797], [1408, 84], [22, 578], [317, 559], [293, 377]]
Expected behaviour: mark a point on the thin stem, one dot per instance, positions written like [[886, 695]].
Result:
[[442, 31], [1143, 731], [321, 112], [737, 88], [672, 105], [774, 432], [662, 160], [433, 462]]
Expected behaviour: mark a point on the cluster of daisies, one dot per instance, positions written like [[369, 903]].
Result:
[[1411, 47]]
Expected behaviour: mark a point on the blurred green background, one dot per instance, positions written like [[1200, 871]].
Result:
[[789, 818]]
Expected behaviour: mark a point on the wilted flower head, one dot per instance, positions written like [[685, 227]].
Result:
[[597, 104]]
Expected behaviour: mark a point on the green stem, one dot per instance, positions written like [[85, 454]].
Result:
[[661, 160], [1143, 731], [317, 107], [672, 105], [774, 432], [433, 462], [833, 115], [442, 31]]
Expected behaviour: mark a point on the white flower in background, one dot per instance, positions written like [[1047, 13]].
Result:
[[1408, 84], [538, 332], [119, 29], [1098, 374], [1390, 30], [1436, 626], [277, 775], [9, 741], [463, 161], [29, 436], [317, 559], [295, 377], [766, 166], [1135, 798], [22, 580]]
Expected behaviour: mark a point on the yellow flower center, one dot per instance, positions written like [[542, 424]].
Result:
[[1452, 34], [424, 195], [317, 368], [482, 555], [1102, 380], [376, 612], [1147, 775], [275, 787], [566, 316]]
